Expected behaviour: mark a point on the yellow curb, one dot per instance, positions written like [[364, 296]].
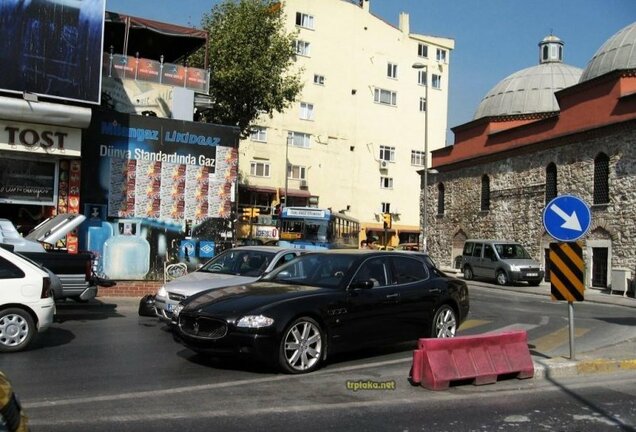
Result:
[[591, 366]]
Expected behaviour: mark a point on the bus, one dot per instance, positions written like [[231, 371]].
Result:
[[315, 228]]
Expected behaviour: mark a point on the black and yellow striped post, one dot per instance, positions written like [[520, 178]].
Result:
[[567, 271], [567, 278], [10, 411]]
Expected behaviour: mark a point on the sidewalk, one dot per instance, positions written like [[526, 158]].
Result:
[[621, 356]]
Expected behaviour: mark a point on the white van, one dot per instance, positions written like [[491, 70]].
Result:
[[504, 261]]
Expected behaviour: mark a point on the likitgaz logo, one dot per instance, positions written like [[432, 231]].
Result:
[[370, 385]]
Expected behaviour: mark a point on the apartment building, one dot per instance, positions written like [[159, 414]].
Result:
[[355, 137]]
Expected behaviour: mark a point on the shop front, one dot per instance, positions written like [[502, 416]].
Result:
[[40, 172]]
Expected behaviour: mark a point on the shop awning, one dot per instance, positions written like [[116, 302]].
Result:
[[151, 39], [409, 231], [261, 189], [294, 193]]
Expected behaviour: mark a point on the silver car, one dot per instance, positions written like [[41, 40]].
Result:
[[237, 266]]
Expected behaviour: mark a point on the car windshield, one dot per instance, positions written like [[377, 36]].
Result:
[[511, 251], [240, 262], [319, 269]]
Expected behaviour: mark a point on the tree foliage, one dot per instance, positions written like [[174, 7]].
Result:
[[251, 60]]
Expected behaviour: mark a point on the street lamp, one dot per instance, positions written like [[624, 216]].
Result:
[[426, 171], [289, 138]]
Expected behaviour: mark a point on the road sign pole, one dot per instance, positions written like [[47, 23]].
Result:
[[571, 320]]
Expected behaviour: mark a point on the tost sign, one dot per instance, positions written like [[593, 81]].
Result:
[[42, 139]]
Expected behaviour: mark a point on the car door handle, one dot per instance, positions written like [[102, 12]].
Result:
[[394, 295]]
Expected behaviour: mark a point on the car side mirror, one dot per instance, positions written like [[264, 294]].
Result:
[[283, 275], [364, 284]]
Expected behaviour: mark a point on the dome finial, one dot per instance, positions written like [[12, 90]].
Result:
[[551, 49]]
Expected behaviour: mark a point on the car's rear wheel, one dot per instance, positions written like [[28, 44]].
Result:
[[17, 329], [502, 278], [468, 273], [444, 322], [301, 348]]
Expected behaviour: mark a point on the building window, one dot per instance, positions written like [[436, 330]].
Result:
[[422, 50], [485, 193], [319, 79], [441, 55], [306, 111], [417, 158], [422, 104], [304, 20], [437, 81], [391, 70], [386, 207], [421, 77], [302, 48], [440, 199], [386, 97], [601, 179], [386, 182], [299, 139], [550, 182], [259, 169], [296, 172], [387, 153], [259, 133]]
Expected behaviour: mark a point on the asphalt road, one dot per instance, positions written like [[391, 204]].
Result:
[[102, 367]]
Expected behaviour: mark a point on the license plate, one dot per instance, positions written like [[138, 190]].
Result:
[[532, 274]]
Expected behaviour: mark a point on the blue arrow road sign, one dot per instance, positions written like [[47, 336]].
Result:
[[567, 218]]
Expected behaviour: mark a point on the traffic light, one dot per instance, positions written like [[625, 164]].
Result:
[[387, 220]]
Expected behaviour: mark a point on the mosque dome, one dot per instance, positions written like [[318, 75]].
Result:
[[618, 52], [531, 90]]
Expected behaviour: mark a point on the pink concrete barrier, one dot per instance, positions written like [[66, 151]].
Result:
[[481, 358]]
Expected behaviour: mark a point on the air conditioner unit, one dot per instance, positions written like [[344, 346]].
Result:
[[303, 185], [384, 164]]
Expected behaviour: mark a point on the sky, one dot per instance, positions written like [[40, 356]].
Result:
[[493, 38]]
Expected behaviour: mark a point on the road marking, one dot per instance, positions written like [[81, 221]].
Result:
[[513, 327], [557, 338], [472, 323], [419, 399], [205, 387]]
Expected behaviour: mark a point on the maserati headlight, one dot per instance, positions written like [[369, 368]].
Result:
[[177, 310], [255, 321], [541, 267], [162, 292], [515, 268]]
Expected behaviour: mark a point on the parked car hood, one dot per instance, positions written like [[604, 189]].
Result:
[[245, 298], [523, 262], [198, 281], [55, 228]]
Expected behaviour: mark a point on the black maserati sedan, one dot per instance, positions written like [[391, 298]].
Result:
[[322, 303]]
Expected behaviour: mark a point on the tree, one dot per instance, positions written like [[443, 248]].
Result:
[[251, 59]]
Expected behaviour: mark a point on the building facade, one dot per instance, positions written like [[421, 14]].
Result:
[[354, 137], [523, 149]]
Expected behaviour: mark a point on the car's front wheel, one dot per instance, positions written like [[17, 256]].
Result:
[[502, 278], [468, 273], [301, 348], [17, 329], [444, 322]]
